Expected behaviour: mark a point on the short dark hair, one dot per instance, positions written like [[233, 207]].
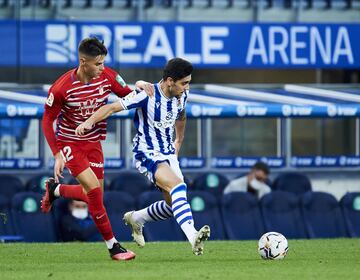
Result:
[[92, 47], [261, 166], [177, 69]]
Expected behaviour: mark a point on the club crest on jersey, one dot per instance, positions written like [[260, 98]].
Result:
[[101, 90], [87, 108], [50, 99], [120, 81], [169, 116]]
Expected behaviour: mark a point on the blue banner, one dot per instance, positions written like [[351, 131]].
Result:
[[206, 45], [24, 110], [242, 162], [21, 163], [323, 161]]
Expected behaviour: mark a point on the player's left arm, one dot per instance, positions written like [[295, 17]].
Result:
[[180, 130], [101, 114]]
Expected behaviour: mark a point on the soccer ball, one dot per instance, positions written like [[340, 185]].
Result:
[[273, 246]]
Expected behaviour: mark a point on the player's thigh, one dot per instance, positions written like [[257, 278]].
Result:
[[175, 166], [95, 157], [165, 177], [74, 156]]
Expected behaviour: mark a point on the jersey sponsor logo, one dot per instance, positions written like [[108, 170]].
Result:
[[60, 43], [130, 96], [50, 99], [97, 164], [87, 108], [120, 80], [164, 124]]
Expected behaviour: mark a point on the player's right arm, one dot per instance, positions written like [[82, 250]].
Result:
[[101, 114], [52, 108], [135, 99]]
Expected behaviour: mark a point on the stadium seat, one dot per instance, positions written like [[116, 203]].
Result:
[[241, 216], [167, 230], [131, 182], [211, 182], [281, 213], [117, 204], [205, 211], [350, 204], [6, 221], [73, 181], [59, 209], [292, 182], [29, 221], [322, 215], [37, 183], [10, 185]]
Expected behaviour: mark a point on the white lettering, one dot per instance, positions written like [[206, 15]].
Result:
[[278, 47], [317, 43], [124, 43], [180, 47], [343, 38], [159, 45], [296, 44], [256, 38], [209, 44]]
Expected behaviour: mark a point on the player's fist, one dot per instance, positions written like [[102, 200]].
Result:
[[82, 128]]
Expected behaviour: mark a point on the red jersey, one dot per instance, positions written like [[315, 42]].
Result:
[[73, 102]]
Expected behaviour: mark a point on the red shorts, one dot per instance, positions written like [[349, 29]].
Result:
[[80, 155]]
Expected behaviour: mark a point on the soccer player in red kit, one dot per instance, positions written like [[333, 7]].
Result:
[[72, 99]]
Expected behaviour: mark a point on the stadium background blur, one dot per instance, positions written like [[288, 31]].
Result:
[[276, 81]]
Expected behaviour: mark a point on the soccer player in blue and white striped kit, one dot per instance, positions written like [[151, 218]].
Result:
[[155, 152]]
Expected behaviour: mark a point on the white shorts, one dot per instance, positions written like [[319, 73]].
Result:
[[147, 163]]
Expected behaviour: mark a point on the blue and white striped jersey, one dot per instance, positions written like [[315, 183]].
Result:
[[154, 119]]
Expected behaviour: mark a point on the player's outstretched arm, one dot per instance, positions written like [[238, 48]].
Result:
[[101, 114]]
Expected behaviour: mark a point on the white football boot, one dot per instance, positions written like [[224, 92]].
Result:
[[202, 235], [136, 228]]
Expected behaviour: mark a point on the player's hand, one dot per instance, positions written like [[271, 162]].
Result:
[[148, 87], [58, 167], [82, 128]]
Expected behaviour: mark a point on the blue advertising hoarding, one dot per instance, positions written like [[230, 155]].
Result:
[[206, 45]]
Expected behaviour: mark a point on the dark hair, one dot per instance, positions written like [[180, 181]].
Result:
[[261, 166], [92, 47], [177, 68]]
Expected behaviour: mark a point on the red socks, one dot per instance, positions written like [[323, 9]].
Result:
[[98, 213], [74, 192]]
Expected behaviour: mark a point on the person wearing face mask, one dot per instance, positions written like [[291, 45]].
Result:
[[254, 182], [77, 225]]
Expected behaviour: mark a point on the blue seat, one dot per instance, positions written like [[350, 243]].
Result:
[[292, 182], [281, 212], [10, 185], [241, 216], [350, 204], [205, 211], [29, 221], [59, 209], [117, 204], [131, 182], [6, 221], [322, 215], [211, 182], [167, 230], [37, 183]]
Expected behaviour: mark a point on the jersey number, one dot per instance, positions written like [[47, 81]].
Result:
[[66, 152]]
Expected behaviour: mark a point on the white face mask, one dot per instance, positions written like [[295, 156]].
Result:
[[80, 213], [255, 184]]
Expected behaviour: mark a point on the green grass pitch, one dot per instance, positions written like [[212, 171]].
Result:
[[307, 259]]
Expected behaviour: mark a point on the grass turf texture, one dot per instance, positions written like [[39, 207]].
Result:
[[307, 259]]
